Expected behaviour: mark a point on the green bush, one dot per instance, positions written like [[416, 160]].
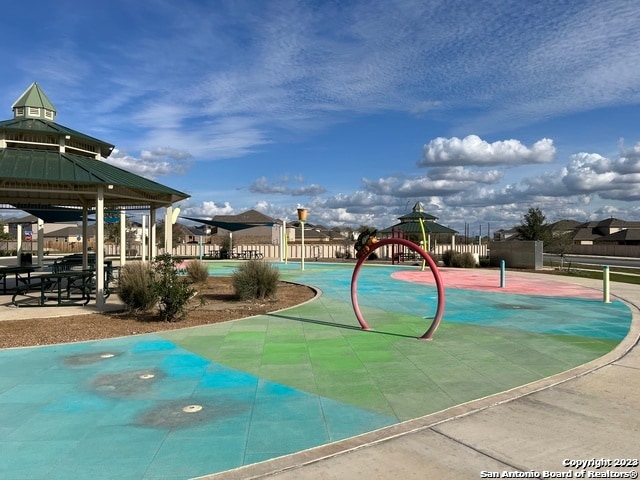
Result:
[[135, 287], [197, 271], [463, 260], [447, 258], [172, 292], [255, 279], [451, 258]]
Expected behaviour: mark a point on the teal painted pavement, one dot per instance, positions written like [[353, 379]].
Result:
[[208, 399]]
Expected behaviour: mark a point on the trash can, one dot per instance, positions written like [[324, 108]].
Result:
[[26, 259]]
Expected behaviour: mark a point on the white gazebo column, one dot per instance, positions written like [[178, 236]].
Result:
[[143, 244], [283, 241], [18, 243], [153, 245], [40, 242], [85, 238], [168, 227], [100, 247], [123, 239]]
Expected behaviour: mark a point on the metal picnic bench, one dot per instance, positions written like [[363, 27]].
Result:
[[67, 284]]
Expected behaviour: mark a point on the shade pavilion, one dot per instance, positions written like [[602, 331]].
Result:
[[412, 224], [45, 167]]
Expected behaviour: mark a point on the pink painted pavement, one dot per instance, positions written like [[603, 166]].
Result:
[[489, 280]]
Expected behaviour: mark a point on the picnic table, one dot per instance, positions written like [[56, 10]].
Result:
[[71, 287], [69, 283], [18, 272], [250, 255]]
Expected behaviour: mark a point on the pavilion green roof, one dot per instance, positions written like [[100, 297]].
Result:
[[47, 127], [414, 228], [66, 179]]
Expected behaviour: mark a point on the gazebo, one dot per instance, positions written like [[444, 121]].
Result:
[[46, 167], [410, 228]]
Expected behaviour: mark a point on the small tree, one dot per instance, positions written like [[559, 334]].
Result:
[[533, 226], [173, 292], [112, 230]]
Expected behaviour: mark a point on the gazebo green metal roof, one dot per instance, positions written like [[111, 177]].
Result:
[[66, 179], [410, 223], [416, 213], [30, 125], [34, 97], [414, 228]]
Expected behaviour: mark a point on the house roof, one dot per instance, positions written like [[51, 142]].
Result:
[[69, 231], [628, 235], [611, 222], [564, 225], [585, 234], [250, 216]]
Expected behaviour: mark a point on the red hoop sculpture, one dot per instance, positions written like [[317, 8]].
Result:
[[432, 265]]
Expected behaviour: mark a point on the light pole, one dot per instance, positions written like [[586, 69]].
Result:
[[302, 216]]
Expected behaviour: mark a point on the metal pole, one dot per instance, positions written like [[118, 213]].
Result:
[[502, 274], [605, 281], [302, 261]]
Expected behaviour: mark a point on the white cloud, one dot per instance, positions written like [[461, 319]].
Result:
[[262, 185], [147, 165], [441, 181], [211, 209], [461, 174], [472, 150], [164, 152]]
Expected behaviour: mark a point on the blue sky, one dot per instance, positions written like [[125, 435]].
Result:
[[353, 109]]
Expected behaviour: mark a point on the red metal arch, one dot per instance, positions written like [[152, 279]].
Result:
[[432, 265]]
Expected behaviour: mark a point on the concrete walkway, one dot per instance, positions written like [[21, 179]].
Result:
[[590, 412]]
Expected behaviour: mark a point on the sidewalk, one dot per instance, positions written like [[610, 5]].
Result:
[[589, 412]]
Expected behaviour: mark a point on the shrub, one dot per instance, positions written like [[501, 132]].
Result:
[[172, 292], [447, 258], [463, 260], [135, 286], [197, 271], [451, 258], [255, 279]]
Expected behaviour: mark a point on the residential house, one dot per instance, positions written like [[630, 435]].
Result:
[[611, 230]]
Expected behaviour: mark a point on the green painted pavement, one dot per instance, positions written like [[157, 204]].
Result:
[[315, 348]]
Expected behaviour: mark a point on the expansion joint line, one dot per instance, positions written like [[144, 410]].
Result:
[[484, 454]]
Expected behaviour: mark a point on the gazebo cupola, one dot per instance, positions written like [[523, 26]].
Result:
[[33, 103], [33, 127]]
